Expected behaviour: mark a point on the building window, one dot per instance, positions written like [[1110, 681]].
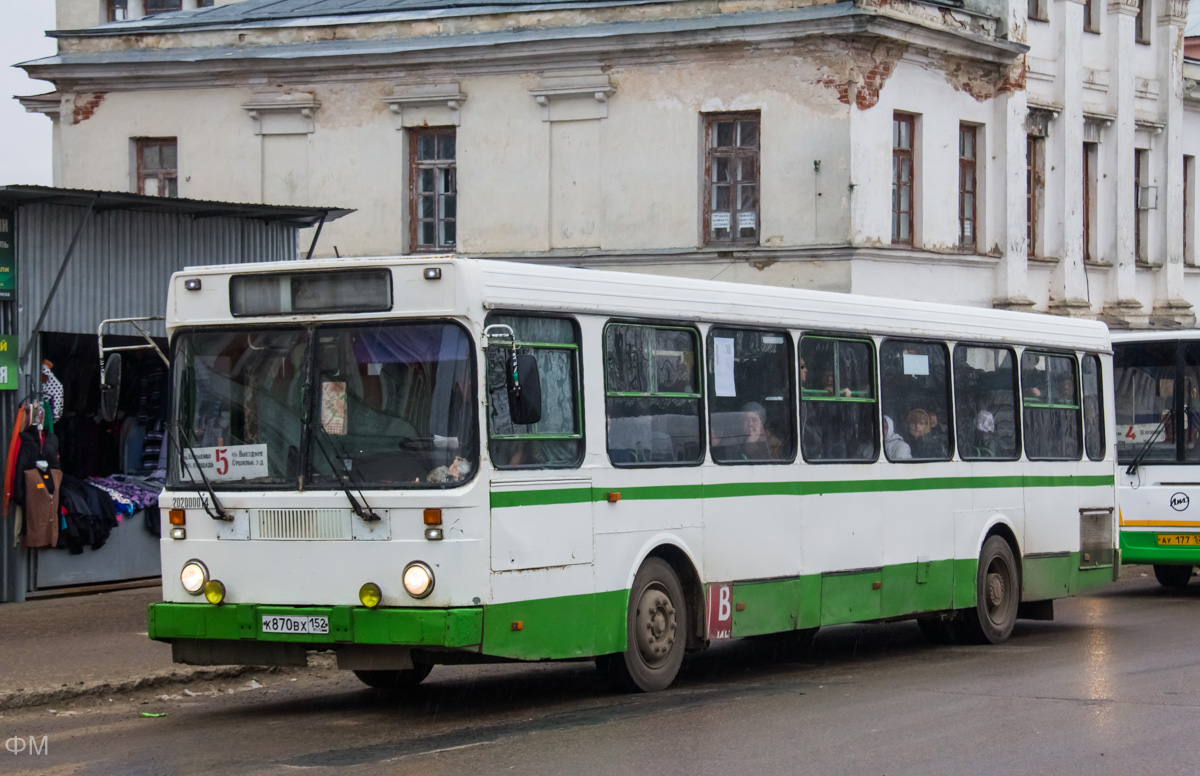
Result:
[[118, 10], [903, 125], [1037, 10], [1091, 19], [1189, 210], [1141, 202], [731, 178], [1034, 182], [1141, 30], [157, 167], [433, 201], [967, 186], [162, 6], [204, 4], [1090, 154]]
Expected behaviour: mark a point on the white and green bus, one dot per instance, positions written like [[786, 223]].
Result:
[[1157, 382], [428, 460]]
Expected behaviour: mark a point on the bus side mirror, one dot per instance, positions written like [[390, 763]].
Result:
[[524, 390]]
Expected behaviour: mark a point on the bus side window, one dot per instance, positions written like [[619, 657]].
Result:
[[750, 396], [555, 441], [838, 401], [1093, 409], [1051, 407], [652, 395], [985, 403], [915, 380]]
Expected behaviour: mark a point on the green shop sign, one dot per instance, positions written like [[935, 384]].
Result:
[[8, 363], [8, 255]]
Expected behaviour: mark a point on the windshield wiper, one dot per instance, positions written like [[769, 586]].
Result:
[[1145, 451], [221, 514], [363, 510]]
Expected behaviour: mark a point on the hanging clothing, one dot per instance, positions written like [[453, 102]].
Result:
[[10, 463], [34, 446], [42, 493], [53, 390]]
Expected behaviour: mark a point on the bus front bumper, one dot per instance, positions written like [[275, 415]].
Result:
[[460, 628]]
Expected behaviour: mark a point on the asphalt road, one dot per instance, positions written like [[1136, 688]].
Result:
[[1112, 686]]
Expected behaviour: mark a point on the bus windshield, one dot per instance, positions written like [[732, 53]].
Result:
[[1158, 412], [373, 406]]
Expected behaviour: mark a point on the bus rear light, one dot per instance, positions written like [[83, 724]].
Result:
[[178, 533], [418, 579], [433, 534], [433, 517], [177, 517]]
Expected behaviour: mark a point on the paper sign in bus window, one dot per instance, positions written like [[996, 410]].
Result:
[[916, 364], [333, 408], [220, 464], [723, 360]]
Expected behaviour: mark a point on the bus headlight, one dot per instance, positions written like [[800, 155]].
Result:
[[193, 577], [418, 579], [370, 595], [214, 591]]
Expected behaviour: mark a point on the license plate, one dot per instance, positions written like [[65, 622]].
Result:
[[1180, 539], [286, 624]]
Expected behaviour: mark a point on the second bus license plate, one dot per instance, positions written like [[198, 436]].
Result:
[[1179, 539], [272, 623]]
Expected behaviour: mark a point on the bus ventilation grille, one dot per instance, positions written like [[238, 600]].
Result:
[[1096, 546], [285, 524]]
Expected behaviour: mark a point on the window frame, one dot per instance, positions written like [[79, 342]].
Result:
[[415, 195], [793, 420], [874, 361], [968, 170], [951, 436], [167, 177], [900, 155], [1099, 407], [1025, 405], [1018, 405], [735, 153], [1141, 31], [116, 10], [1035, 10], [1035, 183], [577, 368], [699, 396], [169, 6]]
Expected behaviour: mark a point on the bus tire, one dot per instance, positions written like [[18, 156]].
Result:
[[656, 628], [997, 594], [402, 679], [1174, 577]]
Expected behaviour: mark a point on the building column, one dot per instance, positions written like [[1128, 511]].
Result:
[[1068, 291], [1119, 162], [1169, 301], [1007, 138]]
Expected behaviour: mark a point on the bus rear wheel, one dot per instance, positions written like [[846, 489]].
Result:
[[997, 594], [402, 679], [1174, 577], [656, 629]]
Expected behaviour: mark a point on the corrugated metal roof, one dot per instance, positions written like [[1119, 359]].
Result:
[[197, 208]]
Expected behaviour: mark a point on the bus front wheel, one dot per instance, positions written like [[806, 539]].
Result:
[[656, 629], [402, 679], [997, 594], [1174, 577]]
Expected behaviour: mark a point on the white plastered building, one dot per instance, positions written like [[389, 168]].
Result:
[[1026, 154]]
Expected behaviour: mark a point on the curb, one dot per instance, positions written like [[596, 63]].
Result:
[[24, 698]]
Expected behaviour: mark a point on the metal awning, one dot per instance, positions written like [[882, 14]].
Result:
[[100, 201]]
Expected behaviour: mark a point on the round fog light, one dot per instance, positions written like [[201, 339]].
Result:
[[370, 595], [418, 579], [193, 577], [214, 591]]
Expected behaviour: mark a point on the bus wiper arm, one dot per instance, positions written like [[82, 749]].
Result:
[[221, 514], [363, 510], [1145, 451]]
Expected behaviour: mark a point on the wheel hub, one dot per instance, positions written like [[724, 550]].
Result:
[[995, 590], [655, 626]]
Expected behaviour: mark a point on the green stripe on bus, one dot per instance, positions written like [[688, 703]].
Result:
[[506, 499]]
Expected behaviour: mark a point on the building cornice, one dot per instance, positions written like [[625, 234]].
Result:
[[499, 52]]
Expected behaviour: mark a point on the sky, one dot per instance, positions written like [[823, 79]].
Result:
[[25, 137]]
